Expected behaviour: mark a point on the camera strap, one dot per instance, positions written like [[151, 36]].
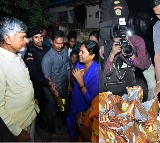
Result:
[[119, 73]]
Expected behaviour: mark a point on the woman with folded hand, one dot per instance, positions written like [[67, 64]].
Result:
[[86, 86]]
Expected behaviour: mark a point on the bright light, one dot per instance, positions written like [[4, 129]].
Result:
[[129, 33]]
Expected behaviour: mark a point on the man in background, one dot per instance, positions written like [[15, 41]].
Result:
[[156, 40], [45, 37], [72, 43]]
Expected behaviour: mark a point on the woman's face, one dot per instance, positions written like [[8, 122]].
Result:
[[84, 55], [92, 38]]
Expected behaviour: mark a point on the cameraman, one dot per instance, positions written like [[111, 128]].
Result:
[[140, 59]]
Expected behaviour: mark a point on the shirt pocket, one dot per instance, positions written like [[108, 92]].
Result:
[[16, 82], [57, 69]]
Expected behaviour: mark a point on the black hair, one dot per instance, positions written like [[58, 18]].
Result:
[[74, 52], [56, 33], [95, 34], [156, 3], [72, 34], [93, 48]]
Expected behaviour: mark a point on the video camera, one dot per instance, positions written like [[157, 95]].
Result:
[[120, 31]]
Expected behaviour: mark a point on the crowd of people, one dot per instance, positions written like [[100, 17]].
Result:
[[42, 76], [44, 80]]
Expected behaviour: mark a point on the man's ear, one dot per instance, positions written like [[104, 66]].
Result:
[[93, 56], [7, 39], [51, 41]]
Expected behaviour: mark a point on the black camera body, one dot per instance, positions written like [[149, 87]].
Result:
[[125, 46], [120, 31]]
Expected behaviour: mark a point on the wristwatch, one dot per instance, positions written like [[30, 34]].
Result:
[[130, 60]]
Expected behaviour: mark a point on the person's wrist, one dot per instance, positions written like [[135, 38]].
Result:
[[130, 60], [56, 96], [111, 56], [81, 86], [132, 57]]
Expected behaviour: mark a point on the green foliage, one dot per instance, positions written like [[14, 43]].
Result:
[[32, 12]]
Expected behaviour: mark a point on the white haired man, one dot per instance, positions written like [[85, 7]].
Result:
[[17, 107]]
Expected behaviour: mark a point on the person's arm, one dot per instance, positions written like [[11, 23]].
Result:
[[84, 132], [156, 41], [69, 82], [91, 89], [157, 71], [47, 66], [69, 77], [13, 127], [140, 56], [108, 68], [35, 75], [47, 70]]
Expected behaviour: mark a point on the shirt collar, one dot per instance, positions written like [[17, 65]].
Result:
[[9, 55], [55, 52]]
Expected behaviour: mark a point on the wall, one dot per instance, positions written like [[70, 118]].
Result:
[[92, 17], [92, 20]]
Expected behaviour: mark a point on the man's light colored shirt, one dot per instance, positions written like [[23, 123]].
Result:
[[16, 93]]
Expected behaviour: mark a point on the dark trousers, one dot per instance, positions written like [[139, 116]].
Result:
[[5, 133], [40, 96], [52, 108]]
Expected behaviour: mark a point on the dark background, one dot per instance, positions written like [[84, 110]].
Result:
[[139, 5]]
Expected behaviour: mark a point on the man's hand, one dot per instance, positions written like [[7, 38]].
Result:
[[60, 103], [115, 48], [101, 52], [53, 89], [23, 136], [157, 90]]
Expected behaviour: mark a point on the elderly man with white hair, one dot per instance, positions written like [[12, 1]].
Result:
[[17, 107]]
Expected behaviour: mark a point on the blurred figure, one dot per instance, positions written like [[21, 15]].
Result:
[[74, 57], [45, 37], [86, 85], [72, 43], [156, 40], [17, 106], [94, 36]]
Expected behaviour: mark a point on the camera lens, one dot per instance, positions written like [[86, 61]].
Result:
[[127, 49]]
